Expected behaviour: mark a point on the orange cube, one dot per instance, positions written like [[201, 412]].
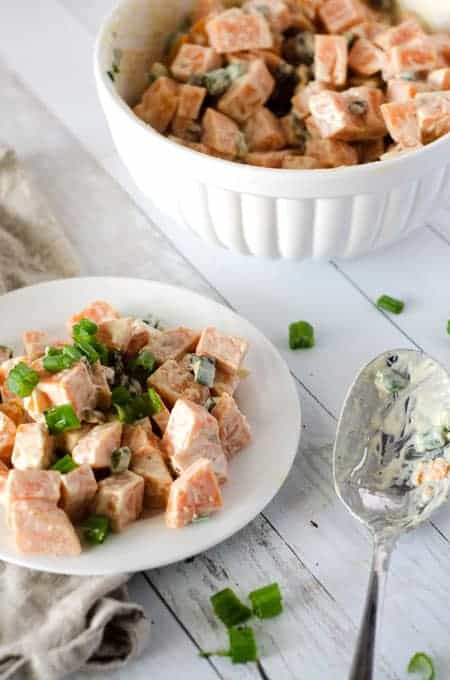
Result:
[[263, 132], [365, 58], [420, 55], [401, 34], [159, 104], [234, 30], [440, 79], [369, 29], [300, 163], [330, 59], [267, 159], [190, 101], [300, 101], [331, 153], [276, 12], [194, 59], [173, 381], [41, 528], [401, 90], [195, 494], [35, 343], [234, 429], [441, 42], [221, 133], [433, 115], [96, 311], [7, 437], [206, 8], [248, 92], [353, 115], [340, 15], [78, 489], [401, 121]]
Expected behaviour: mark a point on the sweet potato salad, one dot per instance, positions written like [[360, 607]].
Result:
[[123, 418], [300, 84]]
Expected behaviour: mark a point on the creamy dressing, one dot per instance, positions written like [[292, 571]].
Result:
[[407, 429]]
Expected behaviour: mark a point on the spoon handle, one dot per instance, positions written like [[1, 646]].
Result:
[[364, 658]]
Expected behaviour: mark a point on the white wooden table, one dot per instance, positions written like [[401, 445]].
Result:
[[305, 539]]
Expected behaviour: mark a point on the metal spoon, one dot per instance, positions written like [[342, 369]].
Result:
[[375, 453]]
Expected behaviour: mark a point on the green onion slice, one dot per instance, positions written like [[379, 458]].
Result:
[[22, 380], [242, 645], [95, 529], [120, 395], [142, 365], [422, 666], [228, 608], [204, 370], [266, 602], [65, 464], [120, 460], [301, 335], [61, 418], [390, 304], [155, 401], [85, 325], [448, 327]]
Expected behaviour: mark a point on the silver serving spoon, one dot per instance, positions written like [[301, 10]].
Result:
[[375, 455]]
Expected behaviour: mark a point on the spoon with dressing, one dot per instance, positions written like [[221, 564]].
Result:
[[392, 464]]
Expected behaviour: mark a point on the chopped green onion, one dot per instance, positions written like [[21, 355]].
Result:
[[88, 350], [22, 380], [120, 460], [134, 408], [53, 363], [448, 327], [204, 370], [266, 602], [120, 395], [95, 529], [65, 464], [156, 404], [102, 351], [301, 335], [390, 304], [141, 406], [72, 352], [61, 418], [422, 666], [85, 325], [125, 413], [142, 365], [228, 608], [242, 645], [83, 334]]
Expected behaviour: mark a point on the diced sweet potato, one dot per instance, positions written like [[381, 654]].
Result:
[[234, 31], [234, 430], [366, 58], [190, 101], [330, 59], [159, 104], [173, 343], [102, 388], [140, 336], [35, 343], [7, 437], [33, 484], [440, 78], [441, 42], [369, 29], [72, 386], [36, 404], [401, 121], [137, 436], [152, 467], [340, 15], [221, 133], [247, 93], [371, 151], [205, 8], [225, 383], [402, 90], [33, 447], [120, 497], [193, 433], [173, 381], [78, 489], [401, 34], [301, 99], [263, 132], [227, 350], [97, 311], [14, 409], [193, 59], [41, 528], [96, 447], [115, 333], [194, 494], [414, 57], [353, 115], [267, 159], [68, 440], [161, 418], [301, 163], [433, 115], [276, 12], [331, 153]]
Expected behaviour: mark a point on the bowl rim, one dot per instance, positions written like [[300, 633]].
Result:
[[242, 171]]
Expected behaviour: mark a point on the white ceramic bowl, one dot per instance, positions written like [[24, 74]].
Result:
[[271, 213]]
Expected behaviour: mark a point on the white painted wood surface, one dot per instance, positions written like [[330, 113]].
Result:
[[49, 112]]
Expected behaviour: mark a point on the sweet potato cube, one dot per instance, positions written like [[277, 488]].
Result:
[[340, 15], [161, 418], [7, 437], [221, 133], [266, 159], [96, 447], [401, 90], [247, 93], [205, 8], [14, 409], [331, 153], [190, 101], [366, 58], [235, 31], [401, 34], [153, 469], [194, 494], [420, 55], [369, 29], [173, 343], [35, 343], [72, 386], [33, 484], [172, 381], [68, 440], [41, 528], [140, 336], [301, 99], [433, 115], [234, 430], [301, 163], [263, 132], [33, 447], [120, 497], [115, 333], [137, 436], [401, 121], [159, 104], [439, 79], [353, 115], [36, 404], [102, 388], [193, 433], [193, 59], [225, 382], [97, 311], [227, 350], [78, 489], [330, 59], [277, 12]]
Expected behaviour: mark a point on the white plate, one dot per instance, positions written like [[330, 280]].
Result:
[[268, 397]]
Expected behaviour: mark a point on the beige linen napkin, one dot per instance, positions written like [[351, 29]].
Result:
[[52, 625]]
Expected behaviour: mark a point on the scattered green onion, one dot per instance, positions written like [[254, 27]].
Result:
[[131, 408], [65, 464], [120, 460], [422, 666], [57, 359], [142, 365], [83, 334], [155, 401], [95, 529], [390, 304], [88, 350], [22, 380], [120, 395], [204, 370], [448, 327], [242, 645], [301, 335], [266, 602], [228, 608], [86, 326], [61, 418]]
